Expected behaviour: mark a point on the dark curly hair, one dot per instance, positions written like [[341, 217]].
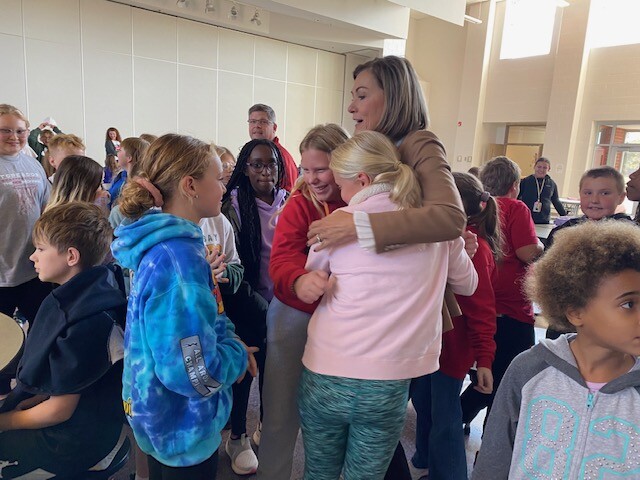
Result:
[[250, 235], [570, 273]]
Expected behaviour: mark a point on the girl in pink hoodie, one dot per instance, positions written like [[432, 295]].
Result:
[[378, 325]]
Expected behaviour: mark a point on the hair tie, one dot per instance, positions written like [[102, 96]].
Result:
[[152, 189], [485, 196], [397, 164]]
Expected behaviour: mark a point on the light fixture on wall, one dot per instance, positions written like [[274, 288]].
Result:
[[209, 7], [181, 3], [256, 18], [233, 13]]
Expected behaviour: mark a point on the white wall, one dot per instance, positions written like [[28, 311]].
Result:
[[518, 90], [436, 49], [611, 93], [92, 64]]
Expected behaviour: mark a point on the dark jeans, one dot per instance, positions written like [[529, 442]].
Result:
[[398, 468], [512, 338], [27, 297], [241, 392], [203, 471], [439, 436]]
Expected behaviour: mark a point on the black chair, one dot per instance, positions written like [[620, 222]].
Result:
[[119, 461]]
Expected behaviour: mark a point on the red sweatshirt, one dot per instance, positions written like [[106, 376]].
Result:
[[471, 339], [289, 249], [290, 167]]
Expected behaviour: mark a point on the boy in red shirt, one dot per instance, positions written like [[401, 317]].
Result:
[[514, 334]]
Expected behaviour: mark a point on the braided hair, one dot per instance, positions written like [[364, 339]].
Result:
[[249, 238]]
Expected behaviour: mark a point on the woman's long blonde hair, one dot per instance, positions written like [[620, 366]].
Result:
[[324, 137], [373, 154], [78, 178]]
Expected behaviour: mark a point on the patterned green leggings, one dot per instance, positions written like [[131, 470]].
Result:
[[350, 423]]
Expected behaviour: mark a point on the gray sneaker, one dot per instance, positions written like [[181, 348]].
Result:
[[243, 459]]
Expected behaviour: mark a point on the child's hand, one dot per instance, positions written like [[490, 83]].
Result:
[[252, 364], [485, 380], [218, 267], [311, 286], [470, 243]]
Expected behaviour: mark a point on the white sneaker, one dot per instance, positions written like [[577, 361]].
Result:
[[257, 434], [418, 473], [243, 460]]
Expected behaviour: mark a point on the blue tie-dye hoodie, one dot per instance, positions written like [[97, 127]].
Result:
[[181, 358]]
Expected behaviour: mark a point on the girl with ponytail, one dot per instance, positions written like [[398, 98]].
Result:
[[181, 352], [378, 324], [436, 397]]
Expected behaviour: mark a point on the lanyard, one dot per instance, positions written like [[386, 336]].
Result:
[[540, 187]]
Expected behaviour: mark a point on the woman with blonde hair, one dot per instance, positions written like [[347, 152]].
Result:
[[376, 327], [79, 179], [314, 196]]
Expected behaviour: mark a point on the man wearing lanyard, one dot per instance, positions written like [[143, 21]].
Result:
[[539, 191]]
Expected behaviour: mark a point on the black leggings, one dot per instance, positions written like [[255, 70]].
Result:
[[241, 392], [512, 338], [203, 471]]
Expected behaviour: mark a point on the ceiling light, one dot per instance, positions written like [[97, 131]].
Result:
[[209, 7], [562, 3], [256, 18]]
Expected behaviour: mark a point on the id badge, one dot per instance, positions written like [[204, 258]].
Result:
[[537, 206]]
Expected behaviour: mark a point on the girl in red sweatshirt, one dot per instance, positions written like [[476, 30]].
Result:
[[440, 450]]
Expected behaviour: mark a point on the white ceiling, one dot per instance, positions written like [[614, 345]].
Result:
[[340, 26]]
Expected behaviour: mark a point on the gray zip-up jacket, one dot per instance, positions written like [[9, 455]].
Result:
[[546, 424]]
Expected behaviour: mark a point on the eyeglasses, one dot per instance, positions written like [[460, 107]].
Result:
[[259, 167], [20, 132], [262, 123]]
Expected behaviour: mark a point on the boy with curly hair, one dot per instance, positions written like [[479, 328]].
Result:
[[569, 408]]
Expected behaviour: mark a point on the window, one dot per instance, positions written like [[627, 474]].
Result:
[[618, 145], [528, 28], [613, 22]]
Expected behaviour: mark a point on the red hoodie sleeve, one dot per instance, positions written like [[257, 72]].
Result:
[[289, 250], [480, 308], [290, 168]]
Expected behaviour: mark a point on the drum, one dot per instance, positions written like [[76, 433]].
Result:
[[11, 343]]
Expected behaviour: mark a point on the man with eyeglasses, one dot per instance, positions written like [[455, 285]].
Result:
[[262, 125]]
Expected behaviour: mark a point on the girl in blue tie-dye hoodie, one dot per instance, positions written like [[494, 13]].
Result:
[[181, 357]]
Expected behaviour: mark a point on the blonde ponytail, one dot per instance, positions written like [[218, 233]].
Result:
[[373, 154]]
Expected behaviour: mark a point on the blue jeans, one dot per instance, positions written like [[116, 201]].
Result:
[[439, 435]]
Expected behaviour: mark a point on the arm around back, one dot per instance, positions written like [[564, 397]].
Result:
[[441, 217]]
